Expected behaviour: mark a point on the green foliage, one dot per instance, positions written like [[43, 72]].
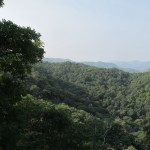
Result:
[[118, 138], [147, 138], [130, 148], [1, 3], [20, 47], [44, 126], [10, 93], [105, 93], [102, 111], [57, 127]]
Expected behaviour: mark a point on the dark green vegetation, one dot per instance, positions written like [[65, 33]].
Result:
[[113, 96], [67, 106], [1, 3], [20, 48], [83, 108]]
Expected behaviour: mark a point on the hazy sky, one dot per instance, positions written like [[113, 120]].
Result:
[[93, 30]]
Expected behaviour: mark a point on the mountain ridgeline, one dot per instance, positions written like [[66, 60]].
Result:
[[131, 66], [119, 101]]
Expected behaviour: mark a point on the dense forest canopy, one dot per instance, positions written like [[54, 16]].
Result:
[[67, 106], [113, 96]]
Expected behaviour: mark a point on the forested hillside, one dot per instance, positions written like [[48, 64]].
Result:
[[113, 96]]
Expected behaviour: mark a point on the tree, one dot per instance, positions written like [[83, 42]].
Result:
[[45, 126], [118, 138], [1, 3], [20, 47], [147, 139], [130, 148]]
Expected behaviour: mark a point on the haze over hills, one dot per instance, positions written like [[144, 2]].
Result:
[[138, 65], [127, 66], [56, 60], [100, 64]]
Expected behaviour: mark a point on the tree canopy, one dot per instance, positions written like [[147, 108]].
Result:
[[1, 3], [20, 47], [105, 93]]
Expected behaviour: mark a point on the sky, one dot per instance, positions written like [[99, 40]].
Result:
[[86, 30]]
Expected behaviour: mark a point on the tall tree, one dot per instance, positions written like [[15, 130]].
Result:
[[1, 3], [20, 48]]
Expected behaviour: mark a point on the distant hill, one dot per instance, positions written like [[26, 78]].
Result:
[[100, 64], [130, 70], [56, 60], [132, 67], [137, 65], [145, 70]]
